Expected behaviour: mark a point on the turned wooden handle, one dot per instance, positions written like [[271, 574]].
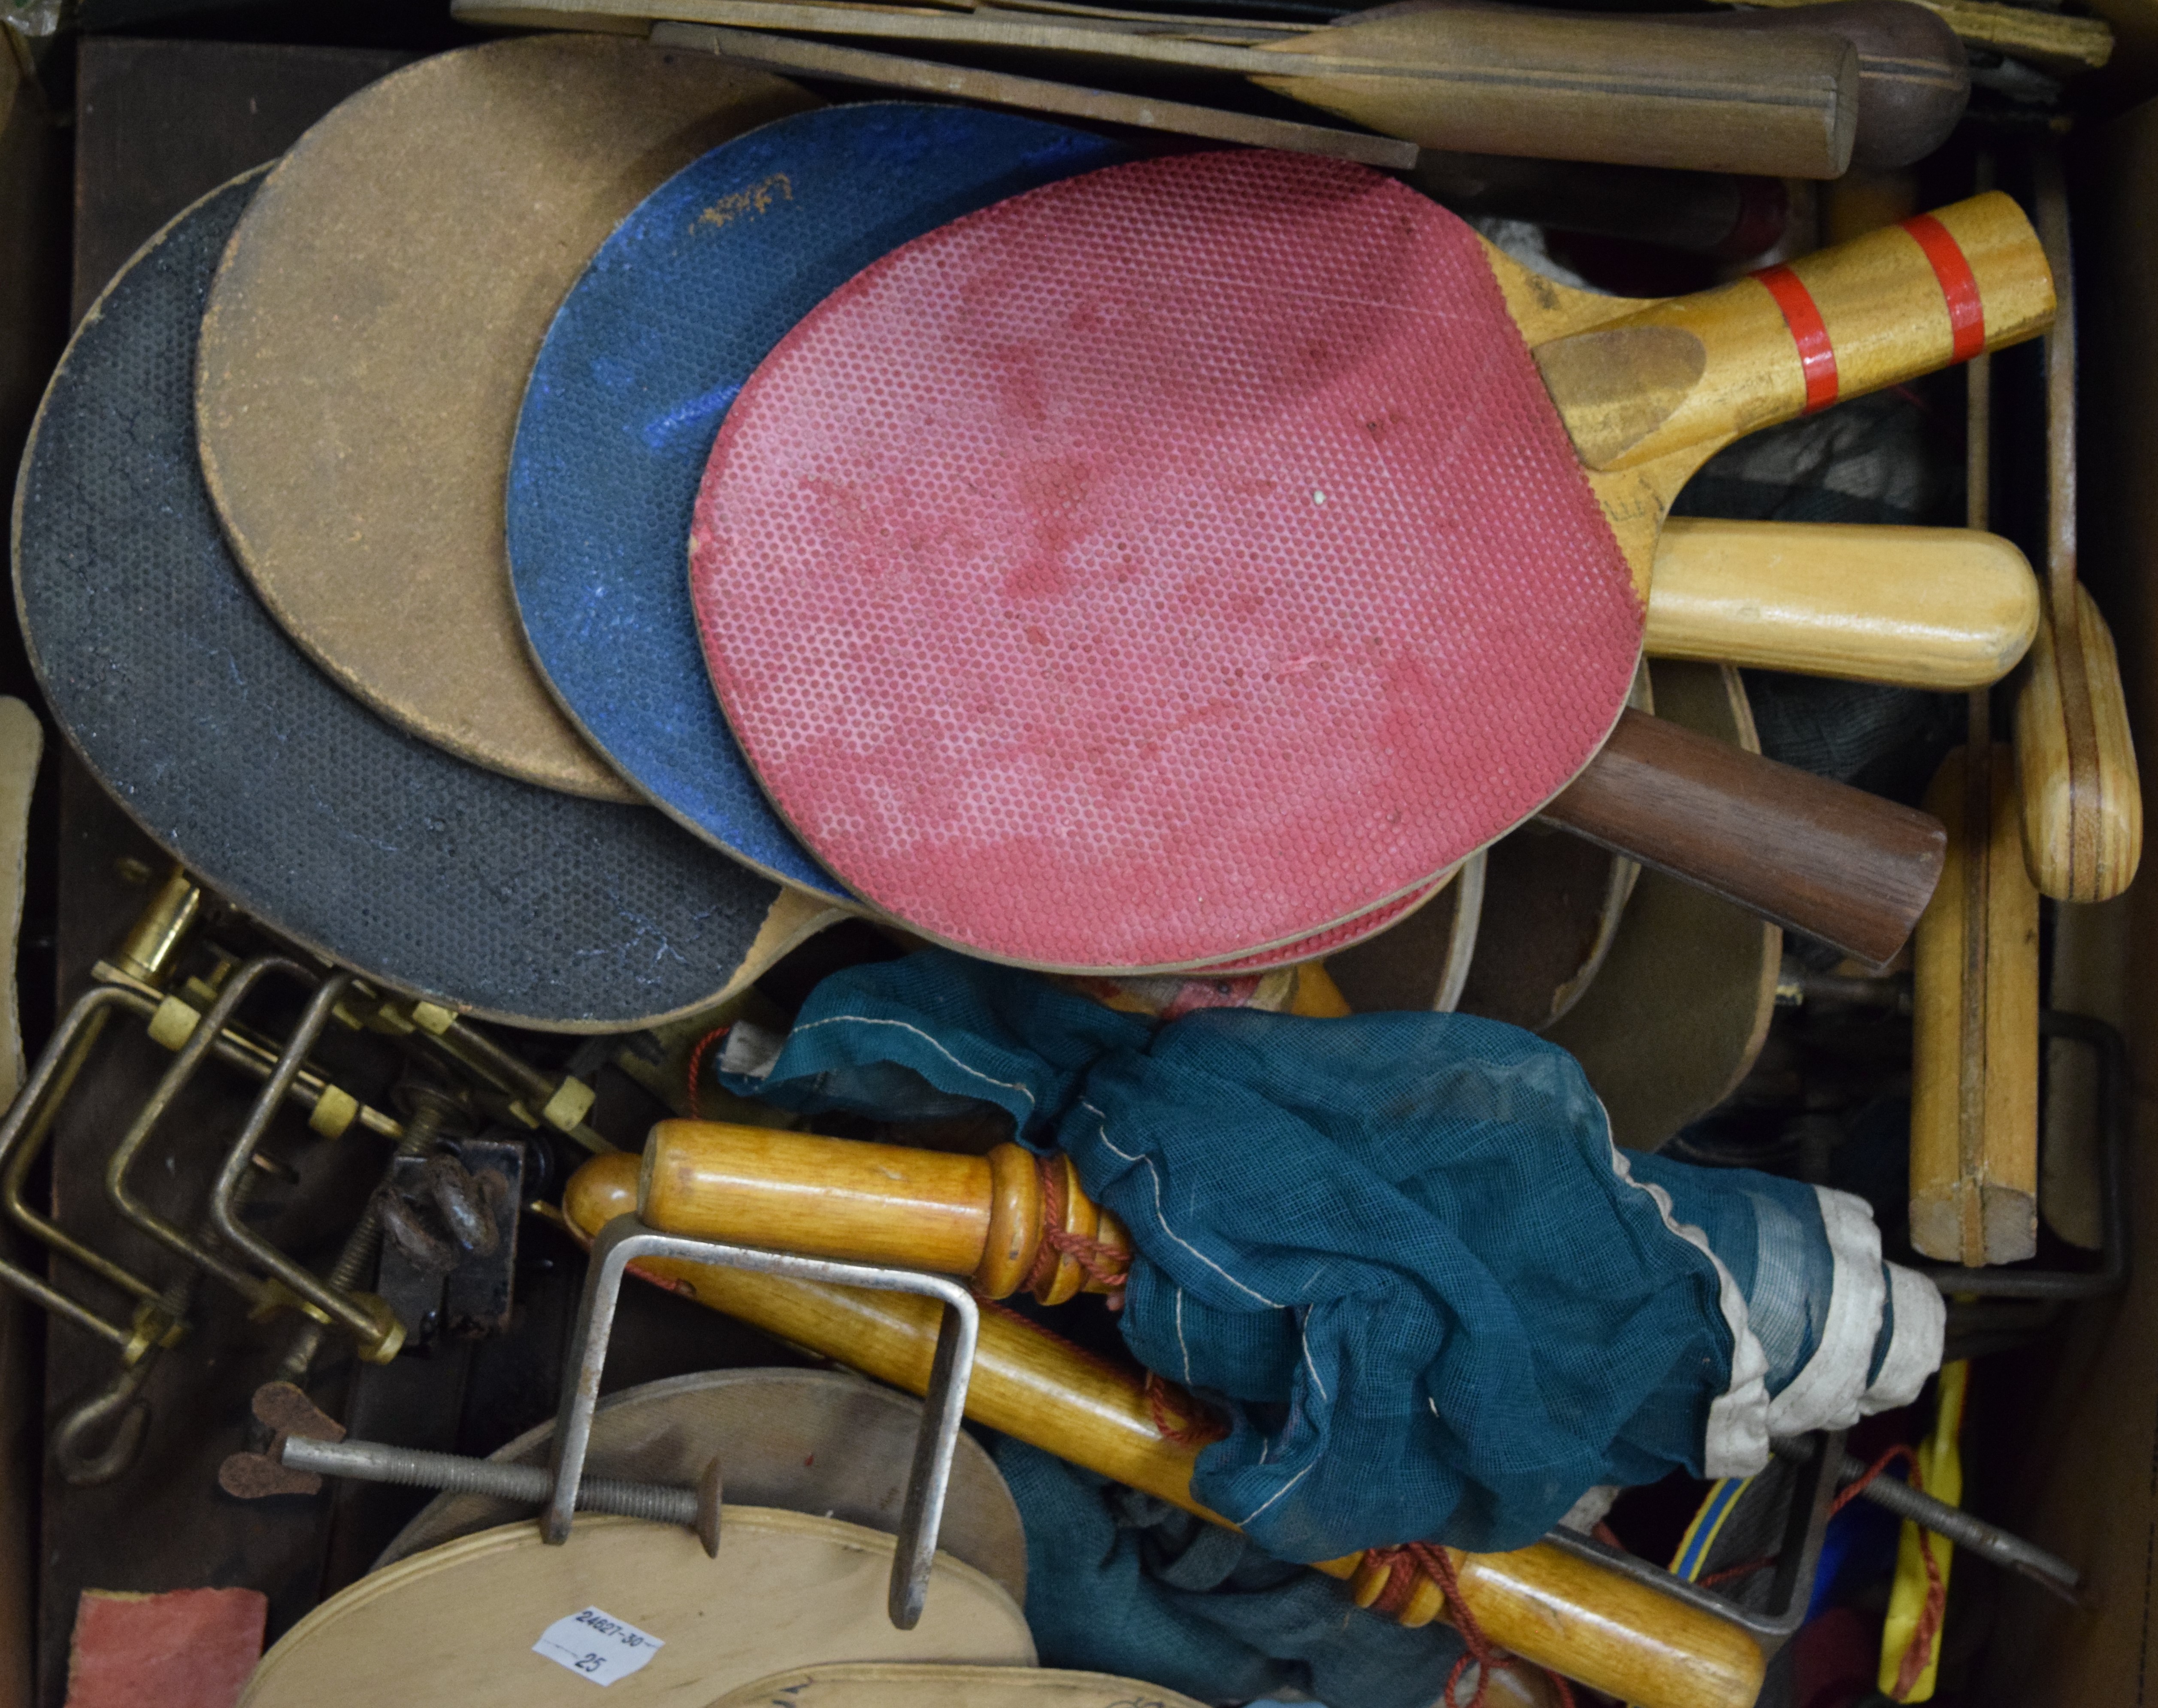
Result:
[[1913, 75], [983, 1217], [1941, 608], [2082, 798], [1587, 87], [1974, 1016], [1569, 1614], [1698, 371], [1816, 856], [1630, 91]]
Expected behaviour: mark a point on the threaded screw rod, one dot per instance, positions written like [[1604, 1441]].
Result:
[[1989, 1541], [376, 1461], [424, 1127]]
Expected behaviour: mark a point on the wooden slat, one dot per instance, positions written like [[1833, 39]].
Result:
[[788, 54], [1974, 1065]]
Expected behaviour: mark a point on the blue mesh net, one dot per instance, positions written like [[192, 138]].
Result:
[[1399, 1250]]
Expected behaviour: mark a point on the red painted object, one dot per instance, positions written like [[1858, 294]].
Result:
[[186, 1648], [1160, 568]]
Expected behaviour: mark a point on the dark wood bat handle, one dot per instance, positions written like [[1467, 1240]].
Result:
[[1816, 856]]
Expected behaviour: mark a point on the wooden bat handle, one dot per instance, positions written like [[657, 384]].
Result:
[[2082, 801], [2082, 798], [1566, 1614], [988, 1217], [1940, 608], [1815, 856], [1698, 371], [1630, 91], [1913, 76]]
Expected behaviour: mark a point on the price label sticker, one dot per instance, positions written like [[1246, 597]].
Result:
[[597, 1646]]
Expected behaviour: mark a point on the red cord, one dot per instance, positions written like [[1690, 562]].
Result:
[[697, 1064], [1179, 1417], [1851, 1492], [1923, 1634], [1935, 1608], [1106, 1265], [1435, 1563], [1854, 1490], [1731, 1574]]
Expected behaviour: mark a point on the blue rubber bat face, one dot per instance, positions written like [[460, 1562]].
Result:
[[645, 356]]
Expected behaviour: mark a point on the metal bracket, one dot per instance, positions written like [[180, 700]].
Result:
[[625, 1240], [201, 1040], [1797, 1562], [370, 1323], [22, 1134]]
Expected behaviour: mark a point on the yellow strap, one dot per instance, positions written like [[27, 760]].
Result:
[[1940, 1465]]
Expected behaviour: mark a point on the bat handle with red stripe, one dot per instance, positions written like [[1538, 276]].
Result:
[[1816, 856], [1694, 373]]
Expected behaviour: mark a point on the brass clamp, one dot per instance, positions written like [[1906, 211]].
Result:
[[284, 1284], [131, 982], [22, 1134], [202, 1038], [333, 1301], [532, 1099]]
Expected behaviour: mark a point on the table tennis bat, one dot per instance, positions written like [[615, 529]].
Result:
[[1179, 560], [671, 315], [365, 342], [616, 424], [203, 719]]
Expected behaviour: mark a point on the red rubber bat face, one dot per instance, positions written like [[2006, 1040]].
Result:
[[1162, 565]]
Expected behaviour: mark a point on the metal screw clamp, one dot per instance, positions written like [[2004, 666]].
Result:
[[626, 1240]]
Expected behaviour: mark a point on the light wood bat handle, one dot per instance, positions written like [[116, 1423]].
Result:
[[1566, 1614], [2082, 798], [1698, 371], [1940, 608], [983, 1217], [1816, 856]]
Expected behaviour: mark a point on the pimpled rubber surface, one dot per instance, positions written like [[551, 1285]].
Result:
[[246, 762], [673, 313], [1160, 567]]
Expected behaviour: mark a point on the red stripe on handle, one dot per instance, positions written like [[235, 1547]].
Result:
[[1816, 354], [1966, 308]]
